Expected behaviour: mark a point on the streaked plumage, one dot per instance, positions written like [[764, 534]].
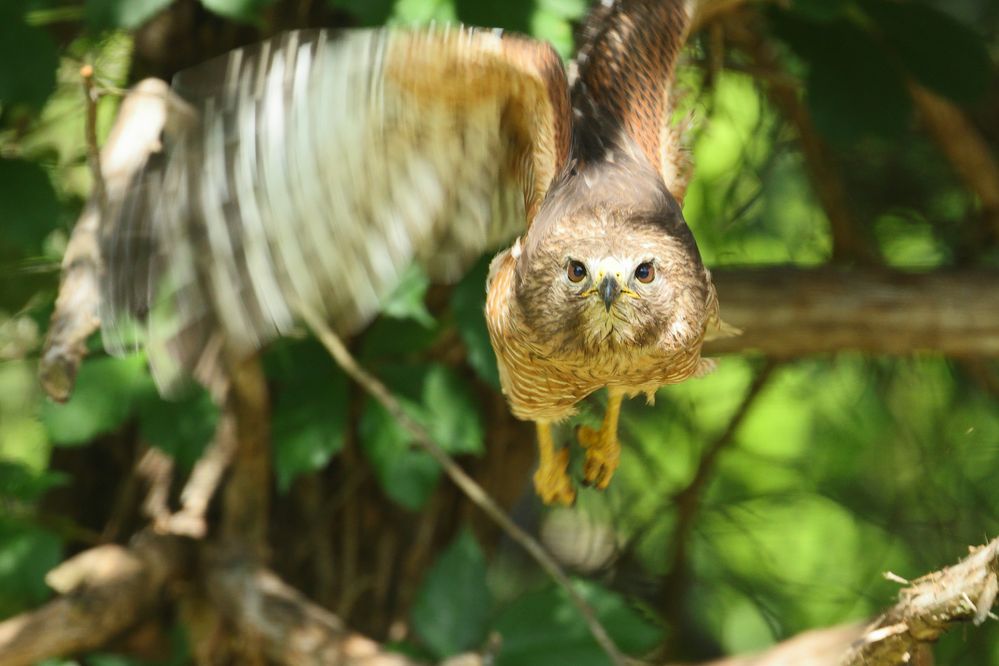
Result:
[[317, 166]]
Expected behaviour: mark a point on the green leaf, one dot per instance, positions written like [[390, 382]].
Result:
[[545, 628], [512, 15], [29, 60], [106, 389], [468, 304], [957, 64], [452, 608], [310, 409], [407, 301], [127, 14], [369, 13], [853, 89], [180, 427], [20, 482], [417, 12], [450, 414], [29, 207], [439, 400], [27, 554], [406, 475], [240, 10]]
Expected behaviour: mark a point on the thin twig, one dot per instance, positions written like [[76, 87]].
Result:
[[461, 479], [688, 500], [93, 151]]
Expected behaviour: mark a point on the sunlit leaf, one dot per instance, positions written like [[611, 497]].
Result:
[[418, 12], [105, 394], [453, 605], [241, 10]]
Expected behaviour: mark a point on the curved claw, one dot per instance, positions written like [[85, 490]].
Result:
[[603, 455], [552, 481]]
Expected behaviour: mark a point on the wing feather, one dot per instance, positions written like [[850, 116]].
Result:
[[321, 165]]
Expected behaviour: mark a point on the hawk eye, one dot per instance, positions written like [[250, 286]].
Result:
[[646, 272], [576, 271]]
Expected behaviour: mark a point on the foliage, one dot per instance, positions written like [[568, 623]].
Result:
[[843, 468]]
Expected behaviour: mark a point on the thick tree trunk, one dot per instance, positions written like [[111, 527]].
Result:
[[787, 312]]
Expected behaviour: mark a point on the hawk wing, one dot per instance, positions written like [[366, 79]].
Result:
[[317, 167], [622, 82]]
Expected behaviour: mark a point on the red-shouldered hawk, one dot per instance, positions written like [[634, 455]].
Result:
[[316, 167]]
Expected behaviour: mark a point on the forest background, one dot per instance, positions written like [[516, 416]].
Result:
[[846, 196]]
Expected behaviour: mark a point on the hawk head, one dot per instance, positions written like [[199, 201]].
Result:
[[609, 264]]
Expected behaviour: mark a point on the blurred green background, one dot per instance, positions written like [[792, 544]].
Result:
[[717, 537]]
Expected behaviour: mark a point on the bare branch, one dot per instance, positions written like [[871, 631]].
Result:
[[902, 634], [688, 500], [291, 630], [790, 312], [964, 592], [106, 590], [461, 479]]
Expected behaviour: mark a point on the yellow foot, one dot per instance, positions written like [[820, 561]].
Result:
[[603, 454], [552, 482]]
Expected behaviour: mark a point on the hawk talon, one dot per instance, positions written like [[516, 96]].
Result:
[[552, 481], [603, 455]]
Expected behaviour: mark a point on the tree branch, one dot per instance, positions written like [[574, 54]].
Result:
[[461, 479], [688, 501], [902, 634], [790, 312], [106, 590]]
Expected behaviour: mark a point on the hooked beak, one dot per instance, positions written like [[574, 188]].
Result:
[[609, 290]]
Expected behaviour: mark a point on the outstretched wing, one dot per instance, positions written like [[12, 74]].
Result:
[[623, 82], [319, 166]]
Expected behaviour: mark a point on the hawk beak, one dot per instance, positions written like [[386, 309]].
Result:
[[609, 290]]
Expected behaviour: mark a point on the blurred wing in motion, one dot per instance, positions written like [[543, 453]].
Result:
[[320, 165]]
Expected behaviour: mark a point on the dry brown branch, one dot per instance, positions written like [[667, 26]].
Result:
[[964, 592], [791, 312], [147, 111], [460, 478], [290, 629], [245, 421], [904, 633], [110, 589], [105, 591], [964, 147]]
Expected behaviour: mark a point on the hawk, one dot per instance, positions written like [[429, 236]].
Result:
[[316, 167]]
